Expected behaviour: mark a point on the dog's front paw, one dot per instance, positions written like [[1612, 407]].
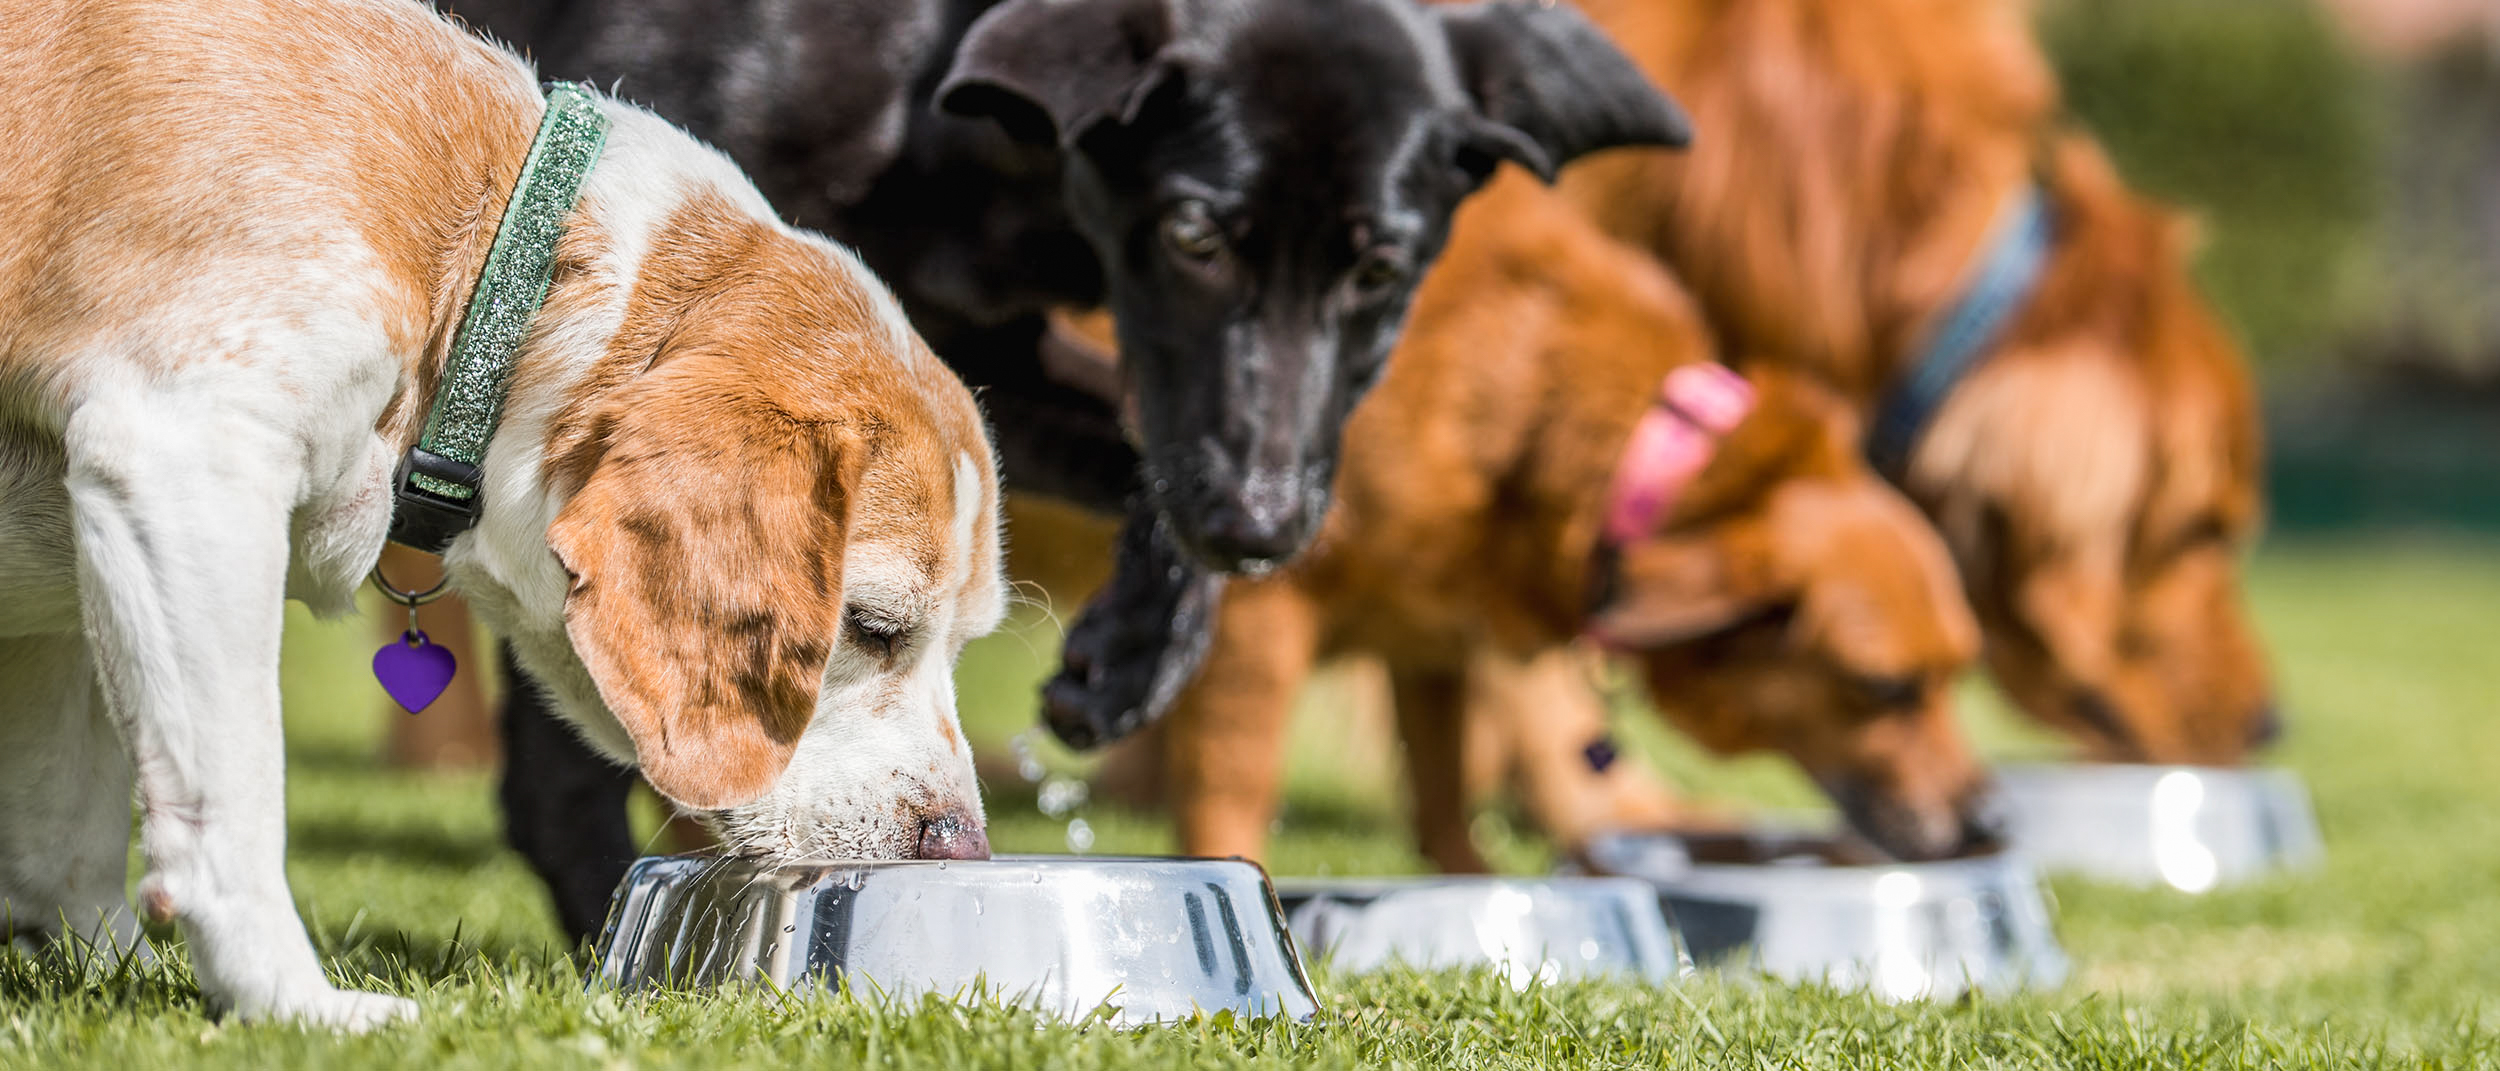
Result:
[[344, 1010], [1135, 646]]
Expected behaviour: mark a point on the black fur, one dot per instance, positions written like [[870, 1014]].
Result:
[[1251, 186]]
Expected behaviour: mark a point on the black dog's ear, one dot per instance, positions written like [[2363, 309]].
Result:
[[1551, 87], [1048, 70]]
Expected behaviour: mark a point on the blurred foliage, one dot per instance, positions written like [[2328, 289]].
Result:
[[2251, 114]]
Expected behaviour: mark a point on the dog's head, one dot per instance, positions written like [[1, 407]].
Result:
[[1264, 181], [2095, 475], [1818, 616], [2100, 478], [779, 522]]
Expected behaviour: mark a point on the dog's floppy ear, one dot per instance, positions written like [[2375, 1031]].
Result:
[[1048, 70], [705, 550], [1668, 589], [1550, 87]]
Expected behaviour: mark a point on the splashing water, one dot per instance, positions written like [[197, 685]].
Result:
[[1028, 765], [1061, 795], [1056, 797]]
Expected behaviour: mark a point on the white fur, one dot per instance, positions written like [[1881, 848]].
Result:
[[152, 511], [877, 741]]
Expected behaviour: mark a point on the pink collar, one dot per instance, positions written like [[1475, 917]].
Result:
[[1675, 440]]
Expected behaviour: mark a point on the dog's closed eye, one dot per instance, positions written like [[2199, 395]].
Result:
[[881, 636], [1889, 692]]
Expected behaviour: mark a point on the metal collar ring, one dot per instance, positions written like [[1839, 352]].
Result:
[[409, 599]]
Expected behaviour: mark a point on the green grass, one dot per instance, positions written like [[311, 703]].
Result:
[[2390, 956]]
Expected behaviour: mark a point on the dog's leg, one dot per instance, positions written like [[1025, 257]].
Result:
[[1428, 706], [1225, 742], [65, 786], [1141, 637], [1542, 716], [563, 807], [181, 521], [1138, 641]]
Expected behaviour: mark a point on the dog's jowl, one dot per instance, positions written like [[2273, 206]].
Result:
[[733, 514]]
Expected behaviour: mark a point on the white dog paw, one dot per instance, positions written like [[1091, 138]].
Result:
[[343, 1010]]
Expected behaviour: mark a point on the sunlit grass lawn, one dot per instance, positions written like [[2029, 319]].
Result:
[[2391, 954]]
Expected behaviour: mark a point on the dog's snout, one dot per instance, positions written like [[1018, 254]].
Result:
[[1922, 829], [1260, 519], [952, 836], [1234, 534], [2266, 727], [1987, 820]]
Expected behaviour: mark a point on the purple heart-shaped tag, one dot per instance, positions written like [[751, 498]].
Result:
[[414, 670]]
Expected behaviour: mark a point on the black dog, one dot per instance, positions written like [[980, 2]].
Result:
[[1251, 186]]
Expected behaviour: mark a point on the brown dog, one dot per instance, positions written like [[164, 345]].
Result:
[[1789, 601], [2098, 471]]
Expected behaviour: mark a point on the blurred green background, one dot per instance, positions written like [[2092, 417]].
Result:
[[2352, 214]]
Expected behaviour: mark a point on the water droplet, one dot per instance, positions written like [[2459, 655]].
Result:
[[1061, 795], [1080, 836], [1028, 764]]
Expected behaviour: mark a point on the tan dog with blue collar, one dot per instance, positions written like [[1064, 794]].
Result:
[[734, 513]]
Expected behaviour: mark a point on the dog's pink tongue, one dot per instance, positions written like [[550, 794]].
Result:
[[414, 670]]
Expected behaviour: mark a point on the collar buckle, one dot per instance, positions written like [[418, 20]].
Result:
[[427, 520]]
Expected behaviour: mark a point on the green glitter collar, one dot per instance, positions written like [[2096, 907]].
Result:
[[437, 494]]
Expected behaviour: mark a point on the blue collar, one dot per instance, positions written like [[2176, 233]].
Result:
[[2002, 284]]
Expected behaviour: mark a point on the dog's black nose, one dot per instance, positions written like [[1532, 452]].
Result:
[[952, 836], [1243, 518], [1238, 536], [2266, 728], [1239, 540], [1987, 821]]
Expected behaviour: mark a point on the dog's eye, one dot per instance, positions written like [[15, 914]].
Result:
[[874, 634], [2209, 532], [1890, 693], [1191, 230], [1379, 270]]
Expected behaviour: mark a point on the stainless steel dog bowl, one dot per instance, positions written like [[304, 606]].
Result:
[[1813, 908], [1156, 939], [2188, 827], [1531, 929]]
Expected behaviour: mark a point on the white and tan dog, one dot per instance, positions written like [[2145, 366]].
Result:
[[737, 516]]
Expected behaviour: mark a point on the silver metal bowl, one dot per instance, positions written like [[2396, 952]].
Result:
[[1532, 929], [1156, 939], [1812, 908], [2191, 828]]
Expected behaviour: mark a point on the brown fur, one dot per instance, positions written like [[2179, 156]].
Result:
[[2096, 474], [723, 473], [1466, 520], [414, 158]]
